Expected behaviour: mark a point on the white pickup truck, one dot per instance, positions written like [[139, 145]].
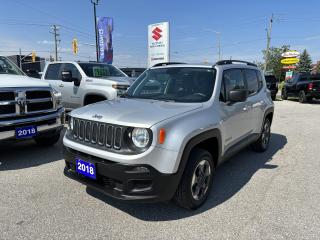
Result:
[[29, 108], [83, 83]]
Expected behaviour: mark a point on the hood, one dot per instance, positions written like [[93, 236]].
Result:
[[133, 112], [10, 80], [121, 80], [129, 80]]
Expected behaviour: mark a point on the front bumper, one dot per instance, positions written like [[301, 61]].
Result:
[[44, 123], [136, 182]]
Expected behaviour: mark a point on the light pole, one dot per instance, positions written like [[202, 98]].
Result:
[[95, 3]]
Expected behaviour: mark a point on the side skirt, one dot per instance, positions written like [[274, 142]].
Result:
[[240, 146]]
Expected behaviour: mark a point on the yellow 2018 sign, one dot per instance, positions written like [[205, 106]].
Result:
[[289, 61]]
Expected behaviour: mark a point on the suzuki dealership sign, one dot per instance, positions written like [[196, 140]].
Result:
[[158, 43], [105, 48]]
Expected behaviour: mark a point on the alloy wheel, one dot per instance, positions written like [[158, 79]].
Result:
[[266, 134], [201, 180]]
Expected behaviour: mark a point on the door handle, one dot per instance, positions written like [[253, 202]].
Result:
[[61, 85]]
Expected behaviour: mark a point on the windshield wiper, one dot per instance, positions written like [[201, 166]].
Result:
[[126, 95], [164, 99]]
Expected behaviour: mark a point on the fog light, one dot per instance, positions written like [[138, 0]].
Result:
[[138, 170]]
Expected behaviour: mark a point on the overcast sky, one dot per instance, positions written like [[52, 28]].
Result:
[[26, 25]]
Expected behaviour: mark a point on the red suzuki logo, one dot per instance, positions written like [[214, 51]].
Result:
[[156, 33]]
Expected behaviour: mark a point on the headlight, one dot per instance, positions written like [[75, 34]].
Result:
[[57, 98], [140, 137], [70, 123], [121, 88]]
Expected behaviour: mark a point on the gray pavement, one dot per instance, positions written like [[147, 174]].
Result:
[[274, 195]]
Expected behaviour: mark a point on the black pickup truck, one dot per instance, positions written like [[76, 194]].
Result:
[[272, 85], [304, 86]]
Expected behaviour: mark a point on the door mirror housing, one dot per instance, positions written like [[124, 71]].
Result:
[[66, 76], [238, 95], [76, 82]]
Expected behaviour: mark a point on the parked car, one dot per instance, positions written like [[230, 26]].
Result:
[[29, 108], [272, 85], [173, 127], [33, 73], [304, 86], [133, 72], [83, 83]]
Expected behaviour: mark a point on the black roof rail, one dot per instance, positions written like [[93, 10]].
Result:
[[224, 62], [166, 64]]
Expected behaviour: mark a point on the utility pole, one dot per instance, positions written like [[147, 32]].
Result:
[[56, 39], [269, 31], [218, 34], [20, 61], [95, 3], [219, 45]]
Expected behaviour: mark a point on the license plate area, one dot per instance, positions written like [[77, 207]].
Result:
[[86, 168], [26, 132]]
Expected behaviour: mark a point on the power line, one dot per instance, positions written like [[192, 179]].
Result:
[[55, 17], [26, 24]]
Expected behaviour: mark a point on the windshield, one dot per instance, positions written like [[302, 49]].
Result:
[[99, 70], [7, 67], [178, 84]]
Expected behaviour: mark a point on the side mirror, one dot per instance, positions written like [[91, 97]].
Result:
[[76, 82], [66, 76], [238, 95]]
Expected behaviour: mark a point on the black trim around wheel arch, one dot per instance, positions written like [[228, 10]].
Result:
[[214, 133], [95, 95], [268, 111]]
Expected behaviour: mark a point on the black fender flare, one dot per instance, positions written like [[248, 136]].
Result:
[[93, 94], [267, 111], [213, 133]]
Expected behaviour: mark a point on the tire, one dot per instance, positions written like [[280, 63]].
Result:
[[310, 99], [262, 144], [284, 95], [302, 97], [200, 168], [48, 140]]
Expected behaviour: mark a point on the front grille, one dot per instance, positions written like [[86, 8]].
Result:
[[39, 106], [96, 133], [7, 109], [6, 96], [16, 102], [36, 94]]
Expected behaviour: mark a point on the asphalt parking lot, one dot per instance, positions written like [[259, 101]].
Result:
[[274, 195]]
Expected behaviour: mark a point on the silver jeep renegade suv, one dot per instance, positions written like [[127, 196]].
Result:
[[165, 137]]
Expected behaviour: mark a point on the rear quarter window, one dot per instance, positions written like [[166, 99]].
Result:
[[252, 81]]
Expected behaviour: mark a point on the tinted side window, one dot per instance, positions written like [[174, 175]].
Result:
[[260, 80], [74, 70], [233, 79], [53, 71], [222, 97], [252, 81]]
